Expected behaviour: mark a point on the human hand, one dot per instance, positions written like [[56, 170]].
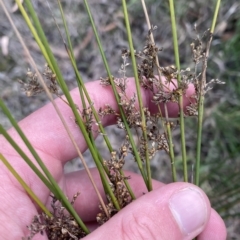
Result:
[[173, 211]]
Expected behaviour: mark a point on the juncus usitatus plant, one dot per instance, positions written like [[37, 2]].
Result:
[[143, 107]]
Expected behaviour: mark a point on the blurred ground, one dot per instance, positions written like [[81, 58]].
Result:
[[220, 141]]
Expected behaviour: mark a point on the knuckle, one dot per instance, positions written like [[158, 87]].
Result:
[[138, 226]]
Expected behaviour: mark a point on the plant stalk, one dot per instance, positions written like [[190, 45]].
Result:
[[201, 95], [138, 88], [180, 101]]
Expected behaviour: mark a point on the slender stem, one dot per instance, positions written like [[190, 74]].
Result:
[[26, 158], [134, 148], [175, 39], [56, 69], [201, 110], [183, 146], [143, 120], [80, 82], [34, 33], [151, 36], [202, 93], [81, 88], [65, 27], [216, 11], [116, 97], [56, 189], [70, 100], [168, 132], [180, 102], [170, 144], [24, 185], [199, 138], [171, 152]]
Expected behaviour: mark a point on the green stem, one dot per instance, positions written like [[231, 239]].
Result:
[[180, 101], [202, 93], [55, 187], [216, 11], [70, 100], [27, 159], [134, 148], [199, 138], [171, 152], [24, 185], [143, 120]]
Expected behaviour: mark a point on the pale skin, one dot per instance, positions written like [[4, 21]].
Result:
[[142, 219]]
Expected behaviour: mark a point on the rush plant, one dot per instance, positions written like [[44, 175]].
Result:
[[147, 130]]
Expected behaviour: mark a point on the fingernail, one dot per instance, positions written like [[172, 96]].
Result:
[[189, 209]]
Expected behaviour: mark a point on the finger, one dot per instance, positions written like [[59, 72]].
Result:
[[47, 134], [175, 211], [87, 204], [215, 228], [16, 211]]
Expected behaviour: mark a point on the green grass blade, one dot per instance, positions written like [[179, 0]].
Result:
[[34, 32], [25, 186], [138, 160], [82, 91], [115, 94], [167, 123], [26, 159], [56, 189], [65, 27], [199, 138], [62, 196], [201, 97], [180, 102], [171, 152], [216, 11], [90, 142], [74, 109], [138, 88]]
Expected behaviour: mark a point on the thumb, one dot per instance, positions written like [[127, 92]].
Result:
[[174, 211]]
